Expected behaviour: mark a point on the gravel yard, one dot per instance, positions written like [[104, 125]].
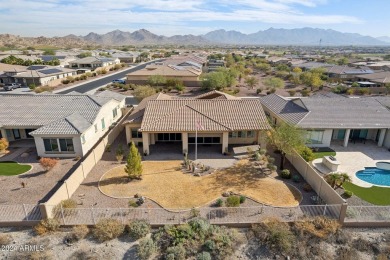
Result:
[[37, 182]]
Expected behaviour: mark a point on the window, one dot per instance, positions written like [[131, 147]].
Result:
[[250, 134], [169, 137], [242, 134], [51, 145], [314, 136], [114, 112], [66, 145], [96, 128], [135, 133], [83, 139], [103, 124]]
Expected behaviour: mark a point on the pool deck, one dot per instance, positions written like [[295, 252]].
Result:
[[357, 156]]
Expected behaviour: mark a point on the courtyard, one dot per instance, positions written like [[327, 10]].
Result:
[[165, 183]]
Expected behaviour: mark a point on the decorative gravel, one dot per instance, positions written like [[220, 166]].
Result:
[[37, 181]]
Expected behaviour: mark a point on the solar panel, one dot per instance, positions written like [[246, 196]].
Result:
[[50, 71], [36, 67]]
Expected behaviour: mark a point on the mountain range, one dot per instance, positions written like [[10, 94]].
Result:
[[272, 36]]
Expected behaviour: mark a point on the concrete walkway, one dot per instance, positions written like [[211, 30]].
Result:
[[11, 156]]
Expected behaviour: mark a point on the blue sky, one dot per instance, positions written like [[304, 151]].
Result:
[[169, 17]]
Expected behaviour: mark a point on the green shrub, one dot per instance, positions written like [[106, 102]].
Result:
[[194, 213], [65, 81], [270, 160], [292, 93], [348, 193], [47, 226], [138, 229], [176, 252], [257, 156], [233, 201], [179, 87], [296, 178], [146, 248], [209, 245], [258, 91], [271, 166], [203, 256], [285, 174], [307, 154], [107, 229], [262, 151], [305, 92], [133, 204], [219, 202], [242, 199]]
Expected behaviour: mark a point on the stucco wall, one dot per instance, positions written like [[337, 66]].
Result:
[[41, 147]]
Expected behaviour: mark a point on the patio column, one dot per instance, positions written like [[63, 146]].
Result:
[[225, 141], [4, 133], [184, 141], [382, 135], [346, 137], [145, 143], [152, 138]]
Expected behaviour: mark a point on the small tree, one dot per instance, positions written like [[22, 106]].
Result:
[[133, 166], [251, 81], [119, 153], [141, 92], [48, 163], [3, 144], [337, 179], [274, 82], [287, 139]]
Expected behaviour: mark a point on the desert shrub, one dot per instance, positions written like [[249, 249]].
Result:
[[203, 256], [48, 163], [84, 254], [347, 253], [257, 156], [107, 229], [219, 202], [307, 154], [79, 232], [362, 245], [65, 81], [296, 178], [233, 201], [285, 174], [320, 227], [146, 248], [35, 255], [242, 199], [262, 151], [276, 234], [270, 160], [179, 87], [4, 144], [194, 213], [271, 166], [138, 229], [43, 89], [104, 71], [209, 245], [305, 92], [176, 253], [83, 77], [258, 91], [67, 207], [5, 239], [46, 226], [348, 193], [133, 204], [307, 187], [292, 93]]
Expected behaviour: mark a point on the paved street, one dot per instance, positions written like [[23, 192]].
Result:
[[86, 87]]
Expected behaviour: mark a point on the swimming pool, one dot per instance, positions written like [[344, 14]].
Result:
[[375, 176]]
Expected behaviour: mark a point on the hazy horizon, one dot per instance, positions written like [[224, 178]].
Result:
[[169, 17]]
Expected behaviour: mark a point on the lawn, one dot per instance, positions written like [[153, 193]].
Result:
[[322, 154], [165, 183], [13, 168], [374, 195]]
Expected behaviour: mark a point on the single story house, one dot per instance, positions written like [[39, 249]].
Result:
[[329, 119], [216, 118], [36, 74], [60, 125], [189, 76], [379, 79], [93, 62]]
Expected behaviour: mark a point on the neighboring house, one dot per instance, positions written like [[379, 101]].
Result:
[[92, 63], [219, 119], [61, 125], [379, 79], [213, 65], [329, 119], [189, 76], [36, 74], [126, 57], [63, 59]]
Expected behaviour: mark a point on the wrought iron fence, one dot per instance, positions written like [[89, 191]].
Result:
[[367, 214], [159, 216], [19, 212]]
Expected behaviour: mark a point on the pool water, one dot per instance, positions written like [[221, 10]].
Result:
[[374, 176]]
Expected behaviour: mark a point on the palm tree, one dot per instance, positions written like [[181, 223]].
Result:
[[337, 179]]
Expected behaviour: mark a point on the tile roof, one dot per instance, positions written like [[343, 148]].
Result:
[[165, 70], [50, 114], [286, 109], [331, 113]]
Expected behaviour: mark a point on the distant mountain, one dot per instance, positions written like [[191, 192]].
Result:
[[272, 36], [384, 39], [303, 36], [142, 36]]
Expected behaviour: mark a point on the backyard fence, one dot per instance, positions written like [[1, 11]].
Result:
[[159, 216], [367, 215], [20, 213]]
